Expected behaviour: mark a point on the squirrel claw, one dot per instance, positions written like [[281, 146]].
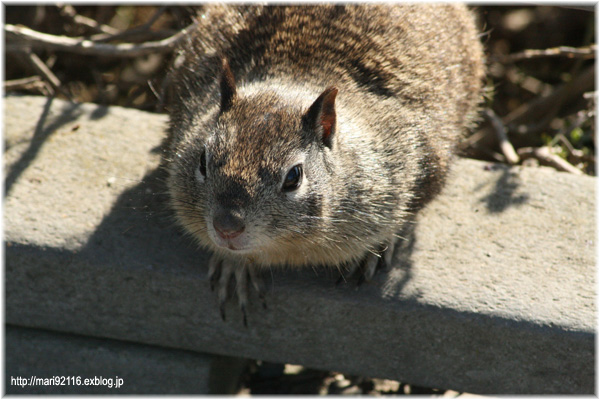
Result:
[[259, 286], [372, 261], [214, 272], [261, 297], [222, 311], [368, 265], [222, 271], [244, 317], [342, 278], [388, 254]]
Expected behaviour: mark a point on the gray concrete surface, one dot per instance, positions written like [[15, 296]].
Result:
[[495, 295], [42, 362]]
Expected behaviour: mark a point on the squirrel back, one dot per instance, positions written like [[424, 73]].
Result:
[[312, 134]]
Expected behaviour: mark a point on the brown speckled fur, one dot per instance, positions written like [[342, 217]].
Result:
[[409, 80]]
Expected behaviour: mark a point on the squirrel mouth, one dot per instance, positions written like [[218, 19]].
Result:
[[238, 250], [237, 244], [232, 245]]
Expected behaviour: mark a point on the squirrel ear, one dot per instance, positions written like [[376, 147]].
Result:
[[320, 117], [228, 93]]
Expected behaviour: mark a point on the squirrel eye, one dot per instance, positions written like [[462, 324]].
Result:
[[202, 166], [293, 179]]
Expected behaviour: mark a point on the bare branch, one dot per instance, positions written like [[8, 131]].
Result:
[[545, 157], [142, 29], [571, 52], [590, 95], [161, 10], [67, 10], [43, 69], [28, 84], [20, 83], [134, 35], [84, 46], [507, 148], [544, 108]]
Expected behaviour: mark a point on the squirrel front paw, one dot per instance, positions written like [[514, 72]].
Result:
[[367, 266], [221, 272]]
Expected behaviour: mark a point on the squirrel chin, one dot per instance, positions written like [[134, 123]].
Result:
[[237, 246]]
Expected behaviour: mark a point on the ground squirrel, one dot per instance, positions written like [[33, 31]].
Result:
[[311, 135]]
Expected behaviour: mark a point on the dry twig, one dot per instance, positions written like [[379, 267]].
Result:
[[546, 157], [22, 83], [142, 29], [28, 84], [544, 108], [83, 46], [505, 145], [590, 95], [574, 153], [576, 121], [67, 10], [44, 71], [570, 52], [527, 82]]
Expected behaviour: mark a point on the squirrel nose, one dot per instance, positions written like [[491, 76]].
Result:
[[228, 223]]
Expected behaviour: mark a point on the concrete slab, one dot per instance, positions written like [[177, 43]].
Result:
[[43, 362], [495, 295]]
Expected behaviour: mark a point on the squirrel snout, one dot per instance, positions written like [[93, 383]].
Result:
[[228, 223]]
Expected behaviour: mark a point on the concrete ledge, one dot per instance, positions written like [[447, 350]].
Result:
[[496, 295], [110, 367]]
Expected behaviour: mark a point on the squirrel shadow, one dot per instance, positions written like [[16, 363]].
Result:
[[140, 231]]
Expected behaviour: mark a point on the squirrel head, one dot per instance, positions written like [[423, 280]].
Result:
[[262, 170], [320, 118]]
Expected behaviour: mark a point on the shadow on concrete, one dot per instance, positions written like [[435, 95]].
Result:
[[99, 112], [44, 128], [140, 232], [351, 331], [143, 214], [139, 279], [400, 272], [504, 193], [39, 137]]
